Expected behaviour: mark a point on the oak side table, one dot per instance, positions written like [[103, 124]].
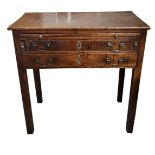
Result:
[[79, 40]]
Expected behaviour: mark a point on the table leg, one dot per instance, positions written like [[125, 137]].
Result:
[[120, 84], [26, 100], [37, 81], [136, 73], [135, 81]]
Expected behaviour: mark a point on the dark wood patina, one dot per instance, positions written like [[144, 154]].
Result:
[[79, 40]]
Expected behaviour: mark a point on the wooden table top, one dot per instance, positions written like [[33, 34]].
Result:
[[79, 20]]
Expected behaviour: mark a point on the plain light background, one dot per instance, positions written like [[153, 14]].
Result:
[[80, 114]]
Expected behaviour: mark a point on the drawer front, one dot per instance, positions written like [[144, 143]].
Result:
[[50, 61], [79, 60], [79, 50], [67, 45], [110, 60], [109, 42], [78, 45]]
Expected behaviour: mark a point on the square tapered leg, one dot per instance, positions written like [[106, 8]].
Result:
[[37, 81], [120, 84], [133, 99], [26, 100], [134, 89]]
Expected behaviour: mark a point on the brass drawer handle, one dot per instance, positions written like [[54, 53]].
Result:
[[34, 44], [37, 62], [45, 46], [122, 60], [109, 44], [108, 60], [122, 45], [48, 44]]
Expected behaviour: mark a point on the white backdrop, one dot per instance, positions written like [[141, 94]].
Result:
[[80, 114]]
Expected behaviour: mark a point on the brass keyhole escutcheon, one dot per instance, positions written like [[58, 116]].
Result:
[[108, 60], [78, 45], [122, 60], [78, 61]]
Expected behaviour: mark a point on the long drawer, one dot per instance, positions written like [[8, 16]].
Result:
[[79, 60], [107, 41]]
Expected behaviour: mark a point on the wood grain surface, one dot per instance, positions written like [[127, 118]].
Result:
[[80, 20]]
